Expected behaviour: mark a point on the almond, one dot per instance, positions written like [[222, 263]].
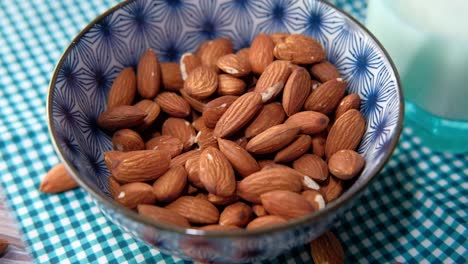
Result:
[[163, 215], [296, 91], [251, 187], [196, 210], [173, 104], [211, 50], [196, 104], [272, 139], [169, 144], [296, 149], [261, 53], [310, 122], [141, 165], [241, 141], [273, 79], [244, 54], [206, 139], [148, 75], [237, 214], [265, 163], [241, 111], [327, 249], [188, 62], [259, 210], [315, 198], [275, 165], [135, 193], [331, 189], [324, 71], [216, 108], [234, 65], [240, 159], [170, 185], [3, 246], [279, 37], [171, 76], [152, 111], [203, 196], [181, 129], [123, 89], [346, 164], [351, 101], [57, 180], [326, 97], [216, 173], [127, 140], [114, 187], [318, 145], [182, 158], [191, 189], [299, 49], [229, 85], [123, 116], [271, 114], [220, 200], [266, 221], [346, 132], [201, 82], [192, 166], [110, 156], [312, 166], [218, 228], [199, 124], [286, 204]]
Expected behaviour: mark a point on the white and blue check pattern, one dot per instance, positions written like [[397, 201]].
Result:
[[415, 211]]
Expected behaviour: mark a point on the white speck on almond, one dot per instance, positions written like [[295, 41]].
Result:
[[232, 71], [320, 201], [183, 68], [339, 79], [309, 183], [196, 138], [209, 157], [268, 94], [222, 106], [187, 123], [121, 195]]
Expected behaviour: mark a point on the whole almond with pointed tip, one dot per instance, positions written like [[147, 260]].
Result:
[[216, 108], [188, 62], [271, 114], [324, 71], [192, 166], [57, 180], [261, 53], [296, 149], [273, 139], [234, 65], [351, 101], [152, 111], [286, 204], [229, 85], [170, 185], [315, 198], [196, 104], [199, 124], [346, 132], [169, 144], [296, 91], [181, 129], [326, 97], [127, 140], [259, 210], [148, 75], [171, 76], [123, 89], [219, 228], [310, 122], [265, 221], [299, 49], [318, 144], [273, 79], [216, 173], [181, 159], [312, 166], [346, 164], [206, 139], [140, 165], [241, 111], [123, 116], [201, 82], [196, 210], [279, 37], [160, 214], [254, 185], [220, 200], [331, 189], [135, 193], [173, 104], [327, 249], [237, 214], [240, 159], [211, 50]]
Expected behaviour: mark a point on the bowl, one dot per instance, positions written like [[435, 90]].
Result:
[[117, 38]]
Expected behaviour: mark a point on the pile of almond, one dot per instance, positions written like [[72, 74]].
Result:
[[226, 140]]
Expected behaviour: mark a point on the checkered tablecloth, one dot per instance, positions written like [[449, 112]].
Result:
[[415, 211]]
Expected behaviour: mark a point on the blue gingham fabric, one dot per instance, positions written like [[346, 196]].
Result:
[[415, 211]]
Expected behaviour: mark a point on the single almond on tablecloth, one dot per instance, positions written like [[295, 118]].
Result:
[[211, 50], [234, 65], [324, 71], [127, 140], [346, 132], [188, 62], [296, 91], [163, 215], [57, 180], [173, 104], [216, 173], [135, 193], [351, 101], [240, 159], [327, 249], [214, 109], [168, 144], [229, 85], [327, 96], [201, 83], [123, 89], [272, 139], [181, 129], [273, 79], [286, 204], [261, 53], [196, 210], [171, 76], [123, 116], [266, 221], [271, 114], [170, 185], [237, 214], [346, 164], [312, 166], [152, 111], [310, 122], [148, 75], [296, 149], [299, 49]]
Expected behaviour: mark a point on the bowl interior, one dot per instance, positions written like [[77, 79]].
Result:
[[117, 39]]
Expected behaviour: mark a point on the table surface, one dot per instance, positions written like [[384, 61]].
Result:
[[415, 211]]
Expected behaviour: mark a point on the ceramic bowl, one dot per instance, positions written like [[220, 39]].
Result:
[[117, 38]]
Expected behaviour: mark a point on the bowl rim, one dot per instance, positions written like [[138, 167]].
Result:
[[316, 216]]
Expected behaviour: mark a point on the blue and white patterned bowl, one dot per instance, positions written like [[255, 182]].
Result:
[[117, 38]]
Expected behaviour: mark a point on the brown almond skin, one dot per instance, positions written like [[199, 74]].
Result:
[[3, 246], [310, 122], [273, 139], [229, 85], [135, 193], [286, 204], [294, 150], [265, 221], [148, 75], [331, 189], [196, 104], [346, 164], [219, 228], [127, 140], [171, 76], [188, 62], [318, 144], [206, 139], [296, 91], [211, 50], [273, 79], [346, 132], [152, 111], [123, 116], [220, 200], [181, 129], [114, 187], [173, 104], [271, 114], [259, 210], [326, 97], [312, 166], [299, 49], [279, 37], [199, 124], [192, 166], [261, 53], [201, 83], [324, 71], [172, 145], [181, 159], [315, 198], [196, 210], [237, 214], [240, 159], [244, 54], [216, 108], [216, 173], [351, 101], [57, 180], [234, 65], [170, 185], [160, 214], [327, 249], [123, 89]]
